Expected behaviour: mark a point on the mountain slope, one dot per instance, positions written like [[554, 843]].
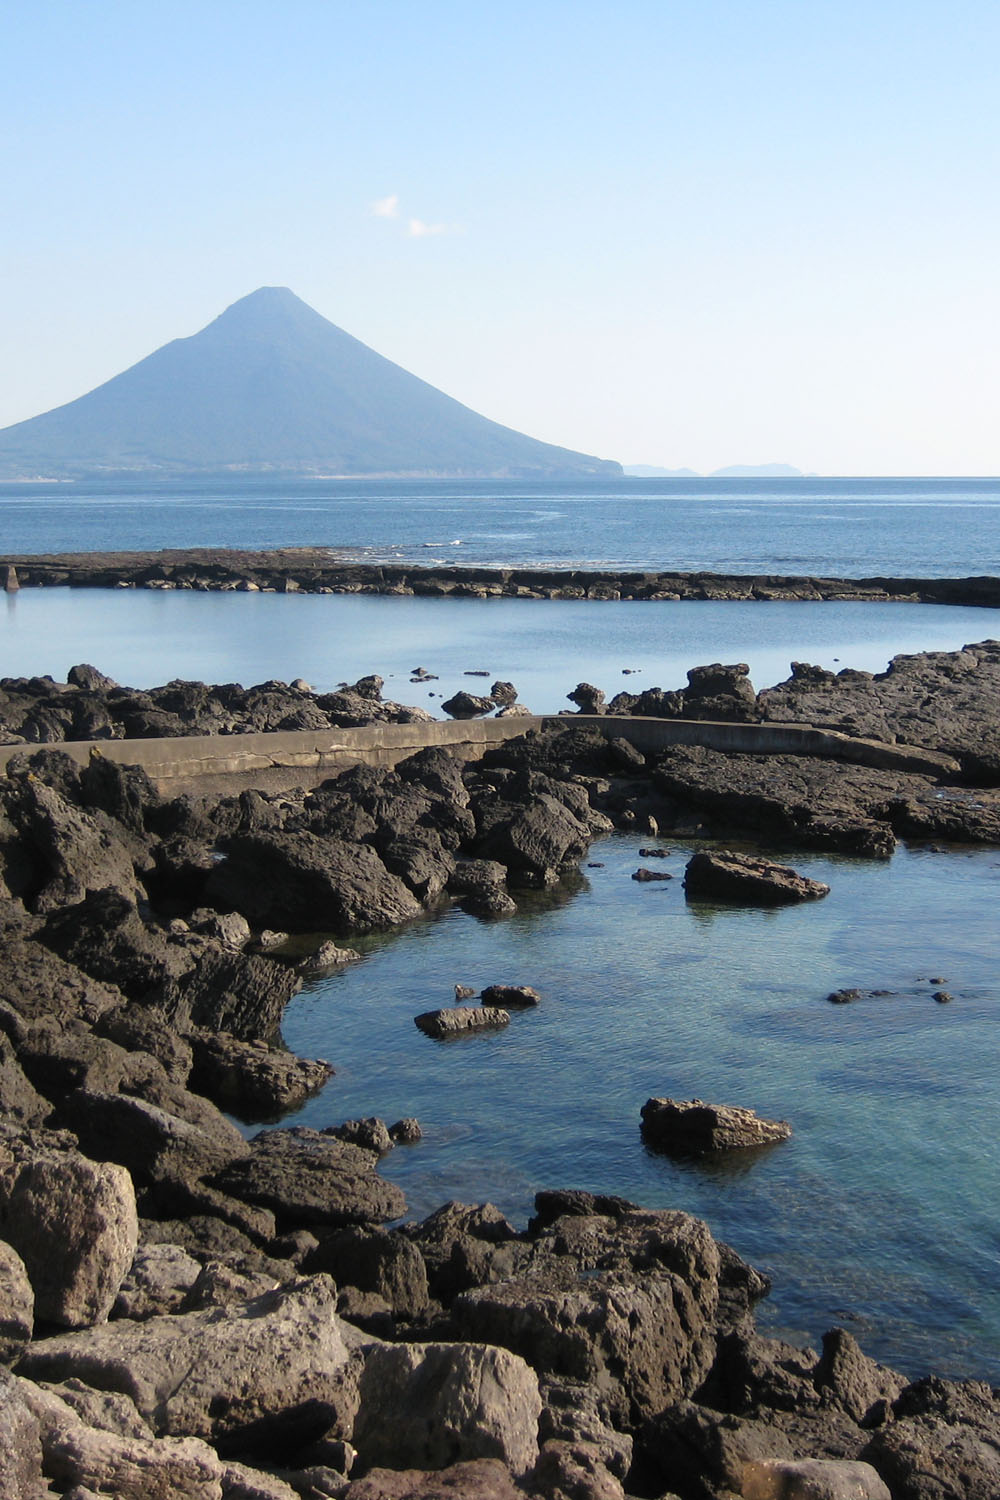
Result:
[[272, 385]]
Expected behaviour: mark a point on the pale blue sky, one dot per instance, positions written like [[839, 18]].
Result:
[[671, 233]]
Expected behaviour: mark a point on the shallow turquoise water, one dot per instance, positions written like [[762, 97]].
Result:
[[879, 1214]]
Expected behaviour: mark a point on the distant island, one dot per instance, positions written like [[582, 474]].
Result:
[[271, 386], [734, 471]]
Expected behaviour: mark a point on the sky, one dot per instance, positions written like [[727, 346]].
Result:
[[674, 232]]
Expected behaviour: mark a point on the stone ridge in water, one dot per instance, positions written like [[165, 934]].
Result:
[[329, 570]]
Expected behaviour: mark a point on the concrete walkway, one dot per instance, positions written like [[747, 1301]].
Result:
[[219, 764]]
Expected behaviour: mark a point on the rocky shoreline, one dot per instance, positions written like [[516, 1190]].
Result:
[[326, 570], [189, 1313]]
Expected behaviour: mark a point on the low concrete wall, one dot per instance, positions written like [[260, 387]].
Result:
[[218, 764]]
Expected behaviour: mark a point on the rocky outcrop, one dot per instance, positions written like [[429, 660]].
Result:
[[691, 1125], [946, 700], [742, 878]]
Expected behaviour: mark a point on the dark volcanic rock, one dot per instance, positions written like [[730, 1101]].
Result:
[[302, 883], [534, 839], [481, 886], [511, 996], [801, 801], [463, 705], [725, 876], [251, 1080], [945, 700], [692, 1125]]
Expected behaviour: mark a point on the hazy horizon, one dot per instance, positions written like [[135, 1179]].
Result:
[[672, 236]]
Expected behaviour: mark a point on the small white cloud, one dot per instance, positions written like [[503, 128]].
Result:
[[386, 208], [417, 229]]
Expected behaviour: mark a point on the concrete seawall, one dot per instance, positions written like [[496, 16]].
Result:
[[278, 761]]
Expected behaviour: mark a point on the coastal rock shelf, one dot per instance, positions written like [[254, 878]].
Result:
[[191, 1313], [324, 570]]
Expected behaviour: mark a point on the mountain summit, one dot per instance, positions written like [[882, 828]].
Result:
[[271, 386]]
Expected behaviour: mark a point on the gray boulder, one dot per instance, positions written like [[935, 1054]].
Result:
[[128, 1466], [20, 1444], [205, 1374], [157, 1282], [373, 1260], [250, 1079], [309, 1177], [17, 1304], [73, 1222], [428, 1405], [159, 1148], [812, 1479]]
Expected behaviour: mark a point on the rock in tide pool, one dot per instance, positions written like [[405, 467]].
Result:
[[748, 880], [461, 1018], [692, 1125]]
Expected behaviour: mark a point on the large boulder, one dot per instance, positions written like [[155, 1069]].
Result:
[[628, 1306], [534, 840], [37, 982], [374, 1260], [52, 852], [430, 1405], [252, 1080], [942, 1444], [161, 1150], [128, 1465], [20, 1444], [801, 801], [309, 1177], [209, 1373], [73, 1222], [17, 1304], [302, 883]]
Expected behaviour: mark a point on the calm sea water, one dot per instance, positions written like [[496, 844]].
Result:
[[839, 527], [881, 1213]]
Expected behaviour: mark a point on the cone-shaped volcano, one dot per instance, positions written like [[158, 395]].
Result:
[[272, 385]]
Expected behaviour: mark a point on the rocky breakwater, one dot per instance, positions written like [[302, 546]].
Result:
[[326, 571]]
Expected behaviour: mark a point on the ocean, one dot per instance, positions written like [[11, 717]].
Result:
[[880, 1214], [836, 527]]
